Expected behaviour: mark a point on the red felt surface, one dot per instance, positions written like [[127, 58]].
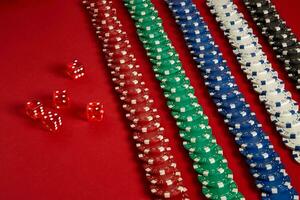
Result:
[[97, 160]]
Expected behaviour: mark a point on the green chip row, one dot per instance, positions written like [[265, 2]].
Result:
[[198, 140]]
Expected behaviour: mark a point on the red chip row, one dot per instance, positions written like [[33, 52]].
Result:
[[153, 147]]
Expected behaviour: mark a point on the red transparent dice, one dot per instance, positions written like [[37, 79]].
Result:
[[34, 109], [61, 99], [51, 121], [75, 70], [94, 111]]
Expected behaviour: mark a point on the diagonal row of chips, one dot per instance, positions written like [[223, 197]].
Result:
[[164, 178], [278, 101], [209, 163], [264, 162], [283, 41]]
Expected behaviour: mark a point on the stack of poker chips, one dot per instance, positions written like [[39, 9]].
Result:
[[278, 101], [264, 162], [209, 163], [283, 41], [164, 178]]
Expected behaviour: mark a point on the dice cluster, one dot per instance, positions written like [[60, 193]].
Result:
[[253, 143], [164, 178], [52, 120], [283, 41], [207, 156], [283, 109]]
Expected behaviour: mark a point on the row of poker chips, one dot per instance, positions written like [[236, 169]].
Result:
[[255, 146], [209, 163], [271, 89], [164, 178], [283, 41]]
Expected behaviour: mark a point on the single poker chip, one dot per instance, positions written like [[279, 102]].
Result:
[[274, 187], [195, 136], [200, 122], [132, 91], [165, 180], [138, 108], [181, 96], [149, 138], [130, 73], [253, 143], [210, 151], [169, 192], [200, 147], [189, 115], [168, 167], [213, 179], [155, 160], [129, 82], [290, 194], [154, 149], [220, 194], [144, 128], [135, 100], [145, 117]]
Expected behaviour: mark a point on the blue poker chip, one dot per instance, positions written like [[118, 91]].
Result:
[[240, 113], [221, 77], [253, 143], [231, 104], [266, 170], [254, 131], [193, 35], [290, 194], [198, 40], [215, 69], [196, 49], [259, 155], [224, 87], [276, 186], [242, 122]]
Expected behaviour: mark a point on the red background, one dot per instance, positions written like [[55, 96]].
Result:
[[98, 160]]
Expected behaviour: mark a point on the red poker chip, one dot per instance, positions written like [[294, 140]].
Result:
[[154, 148], [115, 39], [132, 91], [165, 168], [123, 60], [144, 117], [138, 82], [150, 126], [155, 160], [173, 191], [134, 100], [127, 75], [119, 46], [138, 108], [150, 137], [166, 180], [119, 54], [123, 68]]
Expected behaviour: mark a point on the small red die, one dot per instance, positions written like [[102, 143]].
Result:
[[34, 109], [51, 121], [94, 111], [60, 99], [75, 70]]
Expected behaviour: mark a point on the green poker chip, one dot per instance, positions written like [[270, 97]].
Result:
[[221, 181], [188, 116], [193, 125], [220, 193], [155, 42], [214, 166], [174, 80], [168, 71], [167, 87], [180, 95], [201, 148], [197, 136]]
